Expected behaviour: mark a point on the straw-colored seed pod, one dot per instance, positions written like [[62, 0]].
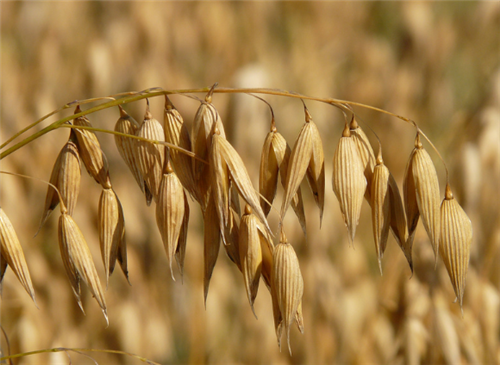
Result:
[[349, 182], [316, 170], [232, 247], [151, 156], [456, 238], [65, 176], [180, 252], [366, 154], [170, 212], [91, 153], [288, 283], [250, 254], [211, 243], [127, 147], [78, 261], [12, 255], [111, 229]]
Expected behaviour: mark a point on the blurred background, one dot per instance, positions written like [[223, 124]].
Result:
[[434, 62]]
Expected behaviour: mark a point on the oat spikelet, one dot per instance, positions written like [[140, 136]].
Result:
[[170, 212], [211, 243], [151, 156], [111, 229], [78, 261], [233, 236], [349, 182], [410, 201], [90, 151], [456, 238], [239, 176], [250, 254], [122, 247], [366, 154], [427, 192], [288, 283], [380, 208], [127, 146], [180, 252], [177, 134], [316, 170], [65, 175], [12, 254]]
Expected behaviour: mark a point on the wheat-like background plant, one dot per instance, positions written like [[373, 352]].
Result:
[[436, 63]]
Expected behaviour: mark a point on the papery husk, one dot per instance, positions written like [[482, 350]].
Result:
[[90, 152], [239, 176], [348, 181], [366, 155], [381, 214], [170, 213], [232, 247], [315, 172], [65, 176], [111, 229], [211, 243], [427, 193], [180, 252], [456, 239], [410, 201], [78, 261], [12, 255], [250, 254], [151, 156], [268, 174], [176, 133], [288, 285], [127, 147], [121, 255]]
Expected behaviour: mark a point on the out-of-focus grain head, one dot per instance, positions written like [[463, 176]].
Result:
[[211, 243], [78, 261], [288, 285], [456, 239], [127, 146], [316, 170], [250, 254], [366, 154], [151, 156], [91, 153], [348, 181], [65, 176], [12, 255], [381, 214], [177, 134], [239, 176], [170, 209], [111, 227], [427, 192]]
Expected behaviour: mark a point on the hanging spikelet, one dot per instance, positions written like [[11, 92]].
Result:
[[170, 212], [211, 243], [180, 252], [349, 182], [111, 229], [78, 261], [288, 285], [12, 255], [90, 151], [127, 147], [151, 156], [65, 177], [456, 238]]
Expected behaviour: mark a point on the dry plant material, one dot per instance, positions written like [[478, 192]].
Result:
[[232, 245], [306, 158], [90, 151], [111, 230], [65, 176], [180, 252], [12, 255], [274, 158], [176, 133], [348, 181], [239, 175], [170, 210], [78, 261], [211, 243], [366, 154], [288, 285], [127, 147], [151, 156], [250, 254], [456, 238], [421, 190]]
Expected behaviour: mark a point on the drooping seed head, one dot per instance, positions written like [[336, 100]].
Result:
[[366, 154], [180, 252], [211, 243]]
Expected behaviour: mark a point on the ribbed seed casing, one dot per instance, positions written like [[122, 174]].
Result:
[[367, 156], [380, 209], [316, 170]]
